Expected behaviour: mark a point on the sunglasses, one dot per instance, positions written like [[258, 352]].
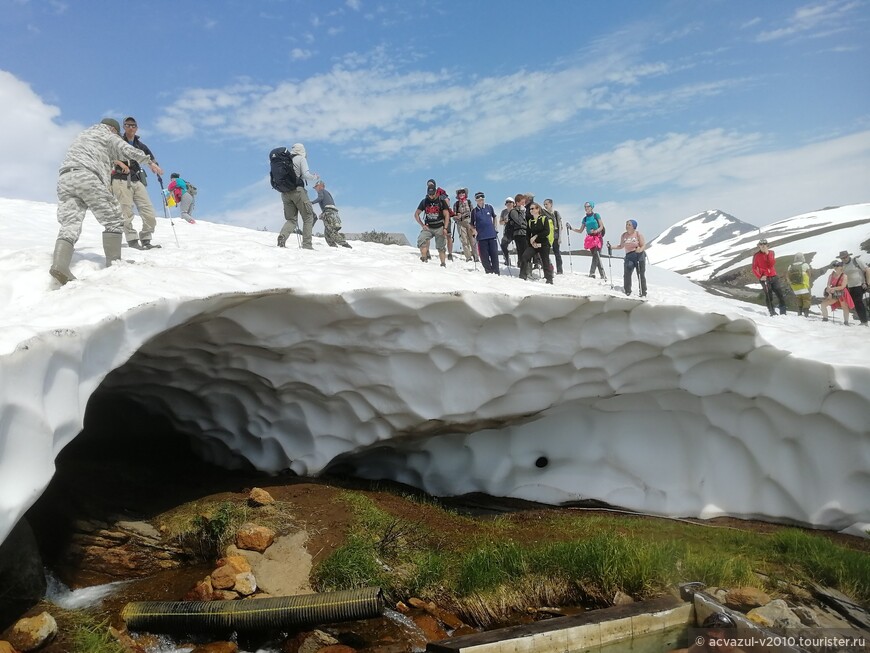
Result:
[[129, 124]]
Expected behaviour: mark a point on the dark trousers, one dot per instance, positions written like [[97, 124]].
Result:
[[488, 250], [544, 252], [857, 293], [505, 244], [634, 261], [557, 254], [771, 287], [522, 243], [596, 262]]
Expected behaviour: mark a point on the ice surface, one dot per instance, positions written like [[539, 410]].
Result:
[[454, 381]]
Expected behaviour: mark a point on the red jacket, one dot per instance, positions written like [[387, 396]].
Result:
[[762, 265]]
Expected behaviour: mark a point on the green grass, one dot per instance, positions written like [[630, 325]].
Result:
[[485, 567], [91, 636]]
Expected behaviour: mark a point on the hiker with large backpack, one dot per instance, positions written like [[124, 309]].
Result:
[[288, 174], [462, 210], [432, 214], [798, 276]]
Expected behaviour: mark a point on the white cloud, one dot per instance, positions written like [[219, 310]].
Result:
[[298, 54], [812, 20], [32, 143], [356, 5]]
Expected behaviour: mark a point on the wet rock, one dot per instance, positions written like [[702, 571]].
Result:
[[22, 576], [308, 642], [126, 641], [775, 614], [223, 578], [237, 562], [259, 497], [252, 537], [217, 647], [447, 618], [6, 647], [745, 599], [402, 607], [30, 633], [202, 591], [224, 595], [336, 648], [430, 626]]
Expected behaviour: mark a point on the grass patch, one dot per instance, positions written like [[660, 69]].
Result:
[[91, 636], [485, 568], [205, 528]]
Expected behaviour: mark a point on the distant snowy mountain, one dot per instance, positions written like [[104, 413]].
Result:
[[682, 246], [699, 247]]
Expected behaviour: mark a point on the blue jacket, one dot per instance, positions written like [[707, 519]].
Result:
[[483, 219]]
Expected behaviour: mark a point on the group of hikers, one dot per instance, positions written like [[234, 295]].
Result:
[[845, 287], [534, 229]]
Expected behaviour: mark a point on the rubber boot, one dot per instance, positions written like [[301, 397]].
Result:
[[111, 247], [63, 251]]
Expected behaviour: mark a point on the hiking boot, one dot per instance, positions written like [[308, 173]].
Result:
[[346, 245], [424, 259], [550, 281], [308, 247], [824, 319], [134, 244], [281, 241], [332, 244], [146, 244], [63, 251], [450, 257], [443, 265]]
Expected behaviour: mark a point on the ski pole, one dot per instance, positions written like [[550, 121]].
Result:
[[570, 258], [610, 263], [166, 210]]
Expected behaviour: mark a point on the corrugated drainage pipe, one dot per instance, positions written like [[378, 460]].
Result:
[[278, 613]]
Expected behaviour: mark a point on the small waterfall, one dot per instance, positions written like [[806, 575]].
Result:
[[416, 637], [62, 596]]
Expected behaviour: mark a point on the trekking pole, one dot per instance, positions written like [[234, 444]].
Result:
[[610, 264], [570, 258], [166, 210]]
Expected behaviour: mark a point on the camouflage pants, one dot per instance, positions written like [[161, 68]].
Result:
[[78, 191], [128, 194], [332, 227], [463, 226]]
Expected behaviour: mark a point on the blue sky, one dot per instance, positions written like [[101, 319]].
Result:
[[655, 110]]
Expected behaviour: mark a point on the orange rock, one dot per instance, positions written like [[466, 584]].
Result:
[[336, 648], [202, 591], [432, 630], [217, 647], [239, 563], [223, 578], [259, 497], [6, 647], [254, 538]]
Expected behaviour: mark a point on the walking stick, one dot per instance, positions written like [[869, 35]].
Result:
[[610, 263], [166, 210], [570, 258]]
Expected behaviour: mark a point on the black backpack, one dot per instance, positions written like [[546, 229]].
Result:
[[282, 174]]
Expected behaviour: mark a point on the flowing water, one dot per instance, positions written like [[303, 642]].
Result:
[[86, 597]]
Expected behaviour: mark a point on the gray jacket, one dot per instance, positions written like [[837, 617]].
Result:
[[96, 148], [300, 163], [856, 272]]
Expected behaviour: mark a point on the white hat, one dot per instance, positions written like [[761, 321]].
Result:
[[508, 199]]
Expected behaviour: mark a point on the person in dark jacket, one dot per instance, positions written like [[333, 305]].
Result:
[[557, 232], [129, 187], [517, 222], [540, 231], [765, 271], [508, 233], [483, 227]]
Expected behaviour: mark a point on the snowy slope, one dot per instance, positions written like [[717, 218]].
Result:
[[684, 404], [820, 235]]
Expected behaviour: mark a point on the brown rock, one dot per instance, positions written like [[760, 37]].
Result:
[[259, 497], [217, 647], [336, 648], [254, 538], [224, 595], [447, 618], [223, 578], [432, 630], [6, 647], [621, 598], [32, 632], [127, 643], [745, 599], [463, 630], [202, 591], [308, 642], [402, 607], [239, 563]]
